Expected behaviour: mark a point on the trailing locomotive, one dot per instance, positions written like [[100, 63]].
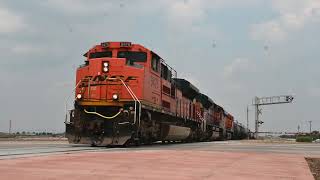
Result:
[[126, 94]]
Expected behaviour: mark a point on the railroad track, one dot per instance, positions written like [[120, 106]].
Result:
[[11, 151], [15, 152], [8, 151]]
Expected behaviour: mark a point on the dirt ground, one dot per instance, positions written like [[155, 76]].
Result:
[[314, 164]]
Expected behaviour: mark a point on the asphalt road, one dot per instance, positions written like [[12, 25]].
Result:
[[30, 148]]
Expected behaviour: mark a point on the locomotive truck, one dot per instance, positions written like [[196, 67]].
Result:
[[127, 94]]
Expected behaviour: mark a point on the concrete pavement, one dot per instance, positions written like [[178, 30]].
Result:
[[207, 160], [157, 164]]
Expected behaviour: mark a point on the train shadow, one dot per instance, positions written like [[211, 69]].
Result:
[[155, 145]]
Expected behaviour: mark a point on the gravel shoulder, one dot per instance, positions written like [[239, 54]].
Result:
[[314, 164]]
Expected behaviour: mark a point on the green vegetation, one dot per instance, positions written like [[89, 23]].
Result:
[[315, 135], [6, 135], [304, 139]]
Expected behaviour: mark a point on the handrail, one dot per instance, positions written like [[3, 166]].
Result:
[[134, 97], [89, 88], [203, 120], [67, 99], [105, 117]]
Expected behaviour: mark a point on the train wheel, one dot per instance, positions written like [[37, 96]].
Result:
[[137, 142], [94, 144], [96, 140], [129, 143]]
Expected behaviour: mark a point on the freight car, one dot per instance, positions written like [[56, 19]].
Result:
[[127, 94]]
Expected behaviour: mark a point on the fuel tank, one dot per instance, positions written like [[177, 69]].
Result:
[[174, 133]]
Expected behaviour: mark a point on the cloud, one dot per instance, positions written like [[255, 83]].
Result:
[[271, 30], [237, 67], [10, 22], [79, 7], [293, 16], [238, 75], [186, 12], [191, 11]]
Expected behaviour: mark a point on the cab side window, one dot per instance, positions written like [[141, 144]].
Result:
[[155, 63], [166, 73]]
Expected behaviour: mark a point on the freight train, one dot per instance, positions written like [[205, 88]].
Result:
[[127, 94]]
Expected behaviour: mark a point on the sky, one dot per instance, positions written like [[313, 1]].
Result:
[[232, 50]]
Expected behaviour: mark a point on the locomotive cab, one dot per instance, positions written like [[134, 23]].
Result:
[[105, 65]]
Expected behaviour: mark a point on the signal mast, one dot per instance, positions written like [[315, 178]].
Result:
[[264, 101]]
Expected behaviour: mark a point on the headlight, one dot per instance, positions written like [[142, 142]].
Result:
[[115, 97], [79, 96], [105, 67]]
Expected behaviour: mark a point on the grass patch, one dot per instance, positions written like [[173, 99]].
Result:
[[304, 139]]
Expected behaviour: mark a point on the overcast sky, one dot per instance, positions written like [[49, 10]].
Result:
[[232, 50]]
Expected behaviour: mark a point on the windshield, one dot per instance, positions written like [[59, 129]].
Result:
[[133, 56], [100, 54]]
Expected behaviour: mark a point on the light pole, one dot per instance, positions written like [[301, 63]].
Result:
[[310, 123], [10, 126]]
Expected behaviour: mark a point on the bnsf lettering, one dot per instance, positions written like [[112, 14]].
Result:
[[98, 78]]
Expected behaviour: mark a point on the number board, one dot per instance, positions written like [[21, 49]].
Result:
[[105, 44], [125, 44]]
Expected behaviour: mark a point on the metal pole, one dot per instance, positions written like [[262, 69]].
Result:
[[248, 121], [310, 122], [10, 126], [256, 121], [256, 117]]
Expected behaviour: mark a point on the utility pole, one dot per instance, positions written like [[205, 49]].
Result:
[[10, 126], [298, 129], [257, 102], [310, 123], [248, 121]]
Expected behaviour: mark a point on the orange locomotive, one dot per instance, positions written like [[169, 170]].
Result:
[[127, 94]]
